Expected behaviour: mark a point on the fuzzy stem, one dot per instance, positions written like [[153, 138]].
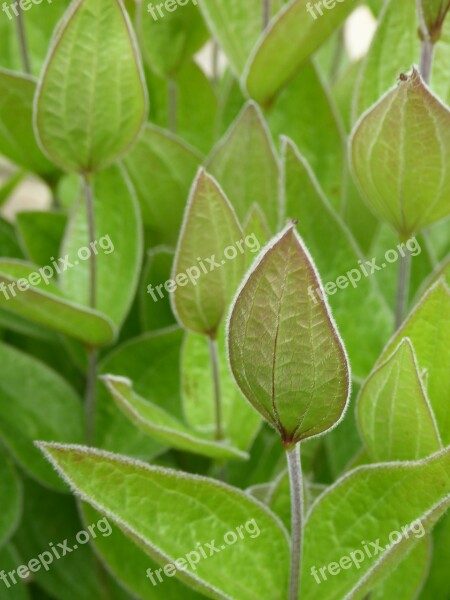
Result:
[[404, 274], [21, 33], [92, 353], [296, 485], [213, 353]]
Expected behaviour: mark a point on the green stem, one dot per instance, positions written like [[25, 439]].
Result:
[[296, 485], [173, 102], [21, 33], [426, 59], [214, 356], [92, 353], [404, 274], [267, 9]]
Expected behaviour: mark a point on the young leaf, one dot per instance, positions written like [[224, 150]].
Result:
[[368, 506], [11, 495], [339, 261], [162, 166], [44, 304], [405, 183], [210, 510], [246, 166], [209, 277], [428, 328], [17, 140], [35, 402], [394, 392], [289, 41], [285, 352], [91, 101], [118, 247], [161, 425]]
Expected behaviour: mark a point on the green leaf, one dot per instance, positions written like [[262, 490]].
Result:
[[289, 41], [41, 233], [246, 166], [412, 192], [395, 417], [128, 563], [11, 494], [35, 403], [118, 251], [9, 186], [438, 582], [161, 168], [202, 263], [236, 26], [10, 559], [408, 578], [17, 139], [240, 421], [338, 259], [210, 510], [391, 505], [284, 349], [155, 310], [152, 362], [395, 47], [315, 128], [161, 425], [106, 74], [169, 40], [48, 307], [428, 328]]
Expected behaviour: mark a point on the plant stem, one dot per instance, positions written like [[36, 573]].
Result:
[[215, 62], [267, 9], [173, 102], [214, 356], [296, 485], [404, 273], [23, 43], [426, 59], [92, 353]]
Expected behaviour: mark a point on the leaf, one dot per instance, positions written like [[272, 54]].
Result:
[[161, 168], [289, 41], [210, 510], [393, 504], [8, 188], [237, 40], [52, 516], [339, 261], [408, 578], [128, 563], [169, 40], [161, 425], [203, 262], [118, 247], [240, 421], [315, 128], [395, 417], [17, 139], [246, 166], [11, 494], [41, 233], [438, 582], [432, 14], [155, 310], [151, 361], [285, 352], [107, 75], [48, 307], [412, 191], [35, 403], [10, 559], [395, 47], [428, 328]]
